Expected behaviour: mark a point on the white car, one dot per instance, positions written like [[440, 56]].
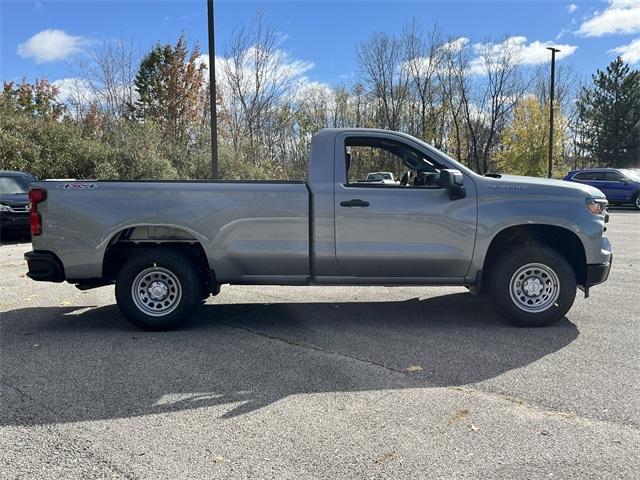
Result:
[[381, 177]]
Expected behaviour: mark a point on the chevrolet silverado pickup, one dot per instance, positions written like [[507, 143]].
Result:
[[167, 245]]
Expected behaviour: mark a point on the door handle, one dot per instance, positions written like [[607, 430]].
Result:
[[356, 202]]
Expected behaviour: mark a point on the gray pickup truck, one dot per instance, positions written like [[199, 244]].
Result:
[[167, 245]]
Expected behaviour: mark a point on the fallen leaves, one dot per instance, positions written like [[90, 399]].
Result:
[[413, 368], [385, 457], [459, 415]]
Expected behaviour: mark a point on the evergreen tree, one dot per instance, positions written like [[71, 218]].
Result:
[[610, 112], [150, 83], [171, 89]]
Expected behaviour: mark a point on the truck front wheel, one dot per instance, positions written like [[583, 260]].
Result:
[[532, 285], [158, 289]]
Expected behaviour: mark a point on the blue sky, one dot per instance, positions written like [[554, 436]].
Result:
[[322, 33]]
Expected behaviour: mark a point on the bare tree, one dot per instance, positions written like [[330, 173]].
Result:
[[566, 88], [340, 114], [498, 88], [423, 59], [358, 100], [382, 61], [259, 81], [106, 79], [566, 91], [454, 79]]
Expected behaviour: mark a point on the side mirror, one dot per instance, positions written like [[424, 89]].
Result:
[[453, 181]]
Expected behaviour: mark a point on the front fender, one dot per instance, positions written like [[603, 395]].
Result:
[[498, 211]]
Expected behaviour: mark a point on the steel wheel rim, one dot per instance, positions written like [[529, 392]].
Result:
[[534, 288], [156, 291]]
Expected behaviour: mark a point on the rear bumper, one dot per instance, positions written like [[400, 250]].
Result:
[[597, 273], [44, 266]]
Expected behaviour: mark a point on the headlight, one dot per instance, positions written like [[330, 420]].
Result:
[[4, 208], [597, 206]]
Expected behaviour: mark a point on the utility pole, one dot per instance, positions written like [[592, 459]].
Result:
[[212, 91], [551, 101]]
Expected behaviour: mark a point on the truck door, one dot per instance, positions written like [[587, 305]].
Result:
[[408, 228]]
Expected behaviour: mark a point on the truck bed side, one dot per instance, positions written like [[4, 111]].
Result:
[[251, 232]]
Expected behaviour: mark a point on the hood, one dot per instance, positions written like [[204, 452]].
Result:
[[541, 185], [17, 200]]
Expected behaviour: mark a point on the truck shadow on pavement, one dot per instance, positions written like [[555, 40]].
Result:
[[69, 364]]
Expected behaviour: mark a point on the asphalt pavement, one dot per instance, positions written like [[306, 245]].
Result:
[[321, 382]]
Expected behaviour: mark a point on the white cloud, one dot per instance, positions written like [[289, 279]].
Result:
[[281, 68], [314, 92], [80, 93], [572, 7], [621, 16], [74, 90], [280, 62], [486, 54], [455, 45], [50, 45], [561, 34], [204, 60], [532, 53], [630, 53], [422, 66]]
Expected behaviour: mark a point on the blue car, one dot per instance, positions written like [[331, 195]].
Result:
[[621, 186]]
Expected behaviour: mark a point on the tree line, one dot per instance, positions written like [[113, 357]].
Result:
[[130, 117]]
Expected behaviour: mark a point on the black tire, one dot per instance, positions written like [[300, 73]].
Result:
[[171, 273], [636, 201], [538, 269]]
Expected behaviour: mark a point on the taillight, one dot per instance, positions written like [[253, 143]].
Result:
[[35, 221]]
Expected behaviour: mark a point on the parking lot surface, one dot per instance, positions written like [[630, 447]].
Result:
[[322, 382]]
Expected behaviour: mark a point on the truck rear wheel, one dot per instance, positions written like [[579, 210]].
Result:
[[158, 289], [532, 285]]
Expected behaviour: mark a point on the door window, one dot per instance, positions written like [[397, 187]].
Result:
[[387, 163], [590, 176], [614, 177], [584, 176]]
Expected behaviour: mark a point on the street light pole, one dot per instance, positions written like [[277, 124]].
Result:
[[212, 91], [551, 95]]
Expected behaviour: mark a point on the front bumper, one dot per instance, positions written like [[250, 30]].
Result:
[[598, 273], [10, 220], [44, 266]]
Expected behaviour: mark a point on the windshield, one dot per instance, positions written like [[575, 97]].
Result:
[[13, 185], [377, 177], [632, 174]]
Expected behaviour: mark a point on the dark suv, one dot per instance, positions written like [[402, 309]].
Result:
[[14, 201], [621, 186]]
